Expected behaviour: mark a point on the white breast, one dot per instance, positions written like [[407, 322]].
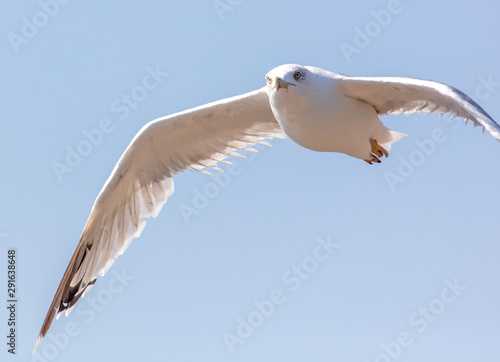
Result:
[[326, 120]]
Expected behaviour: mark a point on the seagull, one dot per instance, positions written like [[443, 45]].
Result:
[[318, 109]]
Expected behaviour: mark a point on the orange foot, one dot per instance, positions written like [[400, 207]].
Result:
[[377, 151]]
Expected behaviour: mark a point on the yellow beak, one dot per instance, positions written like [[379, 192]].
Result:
[[278, 83]]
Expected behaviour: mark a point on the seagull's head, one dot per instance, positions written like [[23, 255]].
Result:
[[285, 77], [291, 89]]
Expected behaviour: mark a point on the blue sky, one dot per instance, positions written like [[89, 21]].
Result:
[[328, 258]]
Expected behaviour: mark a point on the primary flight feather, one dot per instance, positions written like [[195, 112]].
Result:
[[318, 109]]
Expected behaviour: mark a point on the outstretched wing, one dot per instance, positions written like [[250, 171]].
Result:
[[410, 95], [141, 181]]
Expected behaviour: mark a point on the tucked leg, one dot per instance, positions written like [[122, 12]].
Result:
[[377, 151]]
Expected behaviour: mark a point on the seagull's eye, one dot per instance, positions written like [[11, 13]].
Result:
[[297, 75], [268, 80]]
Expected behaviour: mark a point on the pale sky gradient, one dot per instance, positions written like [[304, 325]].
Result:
[[415, 263]]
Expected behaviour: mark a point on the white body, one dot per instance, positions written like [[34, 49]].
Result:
[[317, 115]]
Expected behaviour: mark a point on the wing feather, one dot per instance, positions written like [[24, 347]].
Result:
[[141, 181], [396, 95]]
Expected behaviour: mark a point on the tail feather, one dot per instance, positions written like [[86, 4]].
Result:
[[389, 137]]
